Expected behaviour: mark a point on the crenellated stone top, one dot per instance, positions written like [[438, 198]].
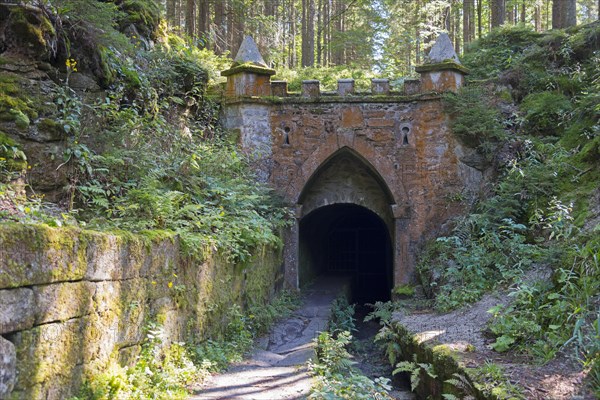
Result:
[[249, 76]]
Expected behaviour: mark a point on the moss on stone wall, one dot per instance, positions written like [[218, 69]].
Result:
[[437, 365], [95, 293]]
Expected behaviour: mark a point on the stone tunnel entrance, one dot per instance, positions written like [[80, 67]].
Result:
[[346, 227], [350, 241]]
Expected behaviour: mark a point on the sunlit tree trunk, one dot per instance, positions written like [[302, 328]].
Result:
[[204, 21], [479, 18], [308, 33], [190, 17], [171, 12], [498, 10], [537, 15]]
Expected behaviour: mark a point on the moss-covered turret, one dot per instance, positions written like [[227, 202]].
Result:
[[249, 75], [442, 71]]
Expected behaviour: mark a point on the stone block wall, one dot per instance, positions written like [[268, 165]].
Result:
[[72, 301], [393, 154]]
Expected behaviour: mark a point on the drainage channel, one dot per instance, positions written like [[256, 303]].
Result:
[[277, 367]]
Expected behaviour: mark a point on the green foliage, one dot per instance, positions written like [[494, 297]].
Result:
[[241, 330], [334, 373], [383, 311], [262, 316], [476, 121], [545, 112], [497, 51], [415, 369], [481, 254], [167, 372], [546, 315], [342, 316], [12, 159], [404, 290], [153, 174], [160, 373], [490, 380]]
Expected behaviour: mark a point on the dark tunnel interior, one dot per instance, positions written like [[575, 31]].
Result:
[[347, 240]]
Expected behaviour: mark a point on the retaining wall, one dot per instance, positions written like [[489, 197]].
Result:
[[72, 301]]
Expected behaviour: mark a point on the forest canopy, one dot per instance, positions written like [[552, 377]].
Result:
[[388, 35]]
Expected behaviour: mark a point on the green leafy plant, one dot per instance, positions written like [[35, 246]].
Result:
[[545, 112], [342, 316], [415, 369], [475, 121], [334, 373]]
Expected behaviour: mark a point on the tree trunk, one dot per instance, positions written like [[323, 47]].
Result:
[[479, 18], [570, 13], [510, 15], [558, 17], [178, 13], [320, 15], [417, 32], [498, 12], [238, 27], [190, 17], [220, 43], [523, 11], [456, 29], [467, 20], [204, 22], [537, 15], [171, 12]]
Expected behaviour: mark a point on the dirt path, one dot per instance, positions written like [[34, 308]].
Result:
[[277, 368], [560, 379]]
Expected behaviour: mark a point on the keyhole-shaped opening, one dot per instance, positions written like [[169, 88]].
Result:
[[405, 132], [286, 135]]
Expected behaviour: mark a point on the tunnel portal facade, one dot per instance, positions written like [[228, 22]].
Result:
[[371, 176]]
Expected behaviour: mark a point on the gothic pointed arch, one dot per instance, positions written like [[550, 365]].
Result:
[[346, 177]]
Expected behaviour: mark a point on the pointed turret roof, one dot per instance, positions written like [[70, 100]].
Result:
[[248, 59], [249, 53], [442, 51]]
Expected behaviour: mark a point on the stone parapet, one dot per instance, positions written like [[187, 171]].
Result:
[[311, 89], [279, 88], [380, 87], [345, 87]]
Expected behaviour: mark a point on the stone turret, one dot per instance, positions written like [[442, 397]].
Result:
[[442, 70], [249, 75]]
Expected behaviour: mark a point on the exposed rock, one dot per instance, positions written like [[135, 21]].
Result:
[[62, 301], [83, 82], [17, 311], [8, 367], [475, 160], [442, 50]]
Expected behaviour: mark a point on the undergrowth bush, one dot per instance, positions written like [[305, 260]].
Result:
[[545, 113], [151, 169], [476, 122]]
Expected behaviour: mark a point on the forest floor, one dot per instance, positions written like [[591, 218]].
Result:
[[277, 368], [464, 331]]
